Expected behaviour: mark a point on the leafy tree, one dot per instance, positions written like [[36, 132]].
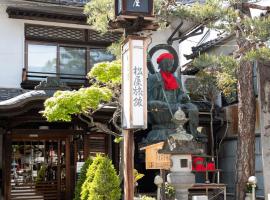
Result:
[[82, 178], [102, 182], [234, 17], [105, 79]]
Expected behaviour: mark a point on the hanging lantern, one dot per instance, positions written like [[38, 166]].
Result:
[[134, 8], [134, 83]]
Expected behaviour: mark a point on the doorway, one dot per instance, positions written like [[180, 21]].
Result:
[[39, 167]]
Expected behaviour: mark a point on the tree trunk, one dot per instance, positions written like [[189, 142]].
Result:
[[245, 161]]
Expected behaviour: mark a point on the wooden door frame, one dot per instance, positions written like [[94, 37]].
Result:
[[37, 135]]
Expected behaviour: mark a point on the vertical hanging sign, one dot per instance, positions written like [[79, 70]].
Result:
[[134, 83]]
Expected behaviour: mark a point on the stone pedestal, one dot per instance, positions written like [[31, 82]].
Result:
[[181, 181]]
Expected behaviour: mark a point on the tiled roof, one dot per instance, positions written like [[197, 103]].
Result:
[[8, 93], [197, 50], [15, 98]]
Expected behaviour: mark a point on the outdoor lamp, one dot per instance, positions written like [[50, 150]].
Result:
[[134, 8], [252, 180]]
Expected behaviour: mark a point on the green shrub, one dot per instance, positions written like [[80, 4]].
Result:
[[147, 198], [82, 178], [41, 174], [102, 182], [169, 191]]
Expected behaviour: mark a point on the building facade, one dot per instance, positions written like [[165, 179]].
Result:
[[41, 39]]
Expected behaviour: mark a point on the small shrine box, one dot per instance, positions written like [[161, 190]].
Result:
[[154, 159]]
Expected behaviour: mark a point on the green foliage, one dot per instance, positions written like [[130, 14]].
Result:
[[262, 53], [118, 139], [115, 48], [218, 71], [90, 174], [64, 104], [147, 198], [249, 187], [107, 72], [99, 13], [257, 29], [41, 174], [82, 178], [102, 182], [169, 191], [137, 176]]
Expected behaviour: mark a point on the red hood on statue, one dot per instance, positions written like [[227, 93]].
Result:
[[170, 82]]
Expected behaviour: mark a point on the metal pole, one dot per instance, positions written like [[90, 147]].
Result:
[[128, 164], [253, 192]]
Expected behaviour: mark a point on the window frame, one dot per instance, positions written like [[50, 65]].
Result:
[[58, 45]]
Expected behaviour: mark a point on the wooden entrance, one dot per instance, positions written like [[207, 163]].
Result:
[[39, 167]]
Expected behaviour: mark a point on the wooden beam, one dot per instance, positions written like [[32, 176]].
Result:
[[128, 164], [68, 172]]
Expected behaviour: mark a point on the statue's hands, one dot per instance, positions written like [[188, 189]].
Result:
[[157, 106], [184, 98]]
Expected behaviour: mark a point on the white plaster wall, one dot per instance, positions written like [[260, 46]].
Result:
[[11, 50], [12, 47]]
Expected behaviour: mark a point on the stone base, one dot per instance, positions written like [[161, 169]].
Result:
[[181, 181]]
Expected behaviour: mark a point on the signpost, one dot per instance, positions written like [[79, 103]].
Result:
[[156, 160], [139, 15], [134, 103]]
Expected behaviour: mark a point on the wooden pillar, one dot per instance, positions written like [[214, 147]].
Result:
[[163, 176], [68, 174], [59, 143], [264, 104], [86, 149], [7, 153], [128, 164]]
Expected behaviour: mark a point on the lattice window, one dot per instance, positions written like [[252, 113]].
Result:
[[54, 33], [98, 144], [108, 37]]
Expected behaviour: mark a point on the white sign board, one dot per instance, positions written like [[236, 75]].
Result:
[[79, 166], [134, 84]]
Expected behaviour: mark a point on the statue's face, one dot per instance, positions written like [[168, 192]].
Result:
[[166, 65]]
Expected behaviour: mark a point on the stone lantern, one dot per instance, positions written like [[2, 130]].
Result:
[[181, 147]]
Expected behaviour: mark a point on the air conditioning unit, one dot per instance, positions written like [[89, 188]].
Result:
[[202, 197]]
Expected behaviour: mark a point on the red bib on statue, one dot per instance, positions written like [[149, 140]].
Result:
[[170, 82]]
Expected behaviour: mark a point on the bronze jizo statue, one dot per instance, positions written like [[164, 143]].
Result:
[[165, 97]]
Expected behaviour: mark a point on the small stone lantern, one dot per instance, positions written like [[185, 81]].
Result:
[[181, 147]]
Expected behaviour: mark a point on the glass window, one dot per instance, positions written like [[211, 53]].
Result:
[[100, 55], [72, 60], [42, 58]]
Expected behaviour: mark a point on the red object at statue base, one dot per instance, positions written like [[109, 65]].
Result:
[[198, 164], [210, 166]]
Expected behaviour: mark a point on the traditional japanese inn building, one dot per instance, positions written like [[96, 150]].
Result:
[[40, 39]]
